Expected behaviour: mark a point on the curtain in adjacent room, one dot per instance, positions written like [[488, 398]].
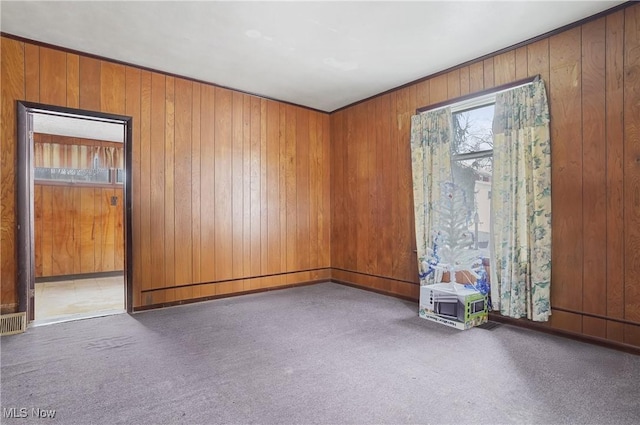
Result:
[[61, 155], [431, 165], [521, 204]]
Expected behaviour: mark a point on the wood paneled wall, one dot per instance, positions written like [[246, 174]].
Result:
[[592, 75], [231, 192], [77, 229]]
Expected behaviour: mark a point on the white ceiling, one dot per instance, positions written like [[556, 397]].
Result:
[[319, 54]]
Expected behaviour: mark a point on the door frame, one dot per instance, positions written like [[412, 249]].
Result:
[[25, 198]]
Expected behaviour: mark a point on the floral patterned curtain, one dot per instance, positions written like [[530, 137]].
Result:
[[431, 165], [521, 204]]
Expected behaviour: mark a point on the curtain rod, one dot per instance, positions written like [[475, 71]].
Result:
[[459, 99]]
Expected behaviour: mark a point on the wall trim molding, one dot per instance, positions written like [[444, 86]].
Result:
[[78, 276], [145, 68], [535, 326], [497, 52], [596, 316], [228, 295], [520, 323], [219, 282], [370, 289], [374, 275], [9, 308], [496, 317]]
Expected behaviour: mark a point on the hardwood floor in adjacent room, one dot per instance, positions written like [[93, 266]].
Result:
[[78, 299]]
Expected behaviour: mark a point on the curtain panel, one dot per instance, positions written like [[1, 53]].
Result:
[[521, 204], [431, 134], [56, 155]]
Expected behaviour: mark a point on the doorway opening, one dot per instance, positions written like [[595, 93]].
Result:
[[74, 213]]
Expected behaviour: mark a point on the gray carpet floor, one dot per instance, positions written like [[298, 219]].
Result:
[[320, 354]]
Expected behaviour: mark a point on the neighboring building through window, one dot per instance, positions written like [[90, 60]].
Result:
[[472, 165]]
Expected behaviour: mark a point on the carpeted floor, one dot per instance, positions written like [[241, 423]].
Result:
[[320, 354]]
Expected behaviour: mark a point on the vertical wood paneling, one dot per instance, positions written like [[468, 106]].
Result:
[[360, 205], [99, 213], [465, 84], [476, 77], [222, 185], [62, 231], [522, 66], [405, 105], [489, 73], [183, 185], [73, 80], [108, 229], [573, 92], [273, 188], [208, 201], [46, 238], [169, 188], [53, 69], [196, 188], [13, 88], [38, 228], [302, 183], [324, 214], [133, 109], [77, 231], [632, 167], [225, 185], [438, 89], [337, 190], [391, 180], [315, 188], [282, 182], [594, 177], [263, 186], [87, 229], [31, 72], [453, 84], [119, 237], [255, 188], [371, 211], [237, 183], [593, 97], [72, 232], [112, 88], [504, 68], [292, 195], [538, 61], [615, 179], [246, 185], [352, 143], [423, 92], [566, 172], [89, 83], [157, 171], [383, 132], [145, 181]]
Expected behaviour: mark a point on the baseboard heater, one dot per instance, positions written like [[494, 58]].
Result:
[[11, 324]]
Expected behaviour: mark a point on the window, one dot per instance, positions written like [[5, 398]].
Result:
[[472, 164], [69, 160]]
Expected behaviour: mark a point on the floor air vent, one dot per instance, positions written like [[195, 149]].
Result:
[[11, 324]]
